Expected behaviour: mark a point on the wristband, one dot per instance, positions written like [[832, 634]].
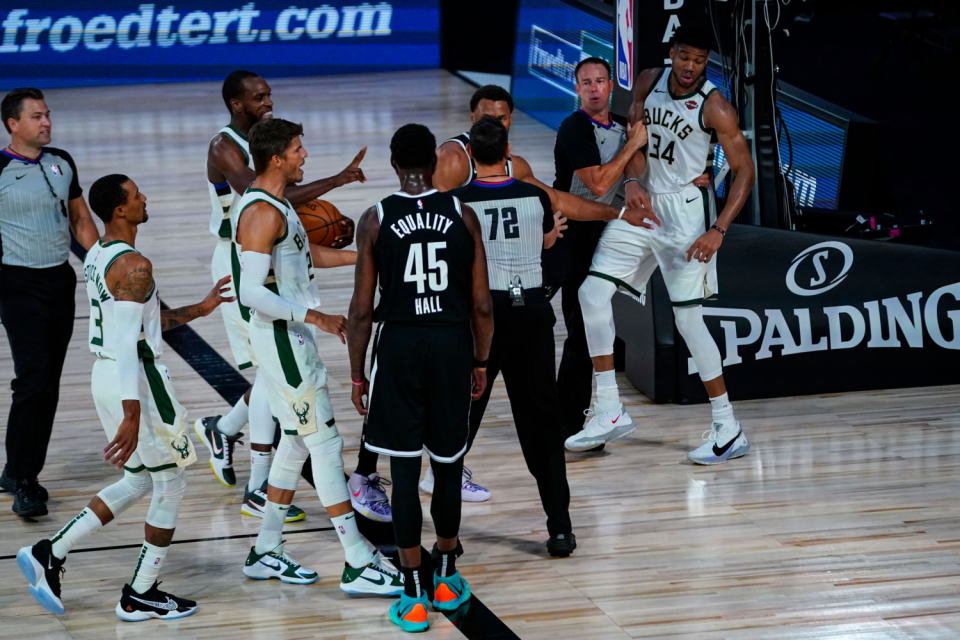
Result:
[[637, 180], [722, 232], [480, 364], [358, 383], [620, 217]]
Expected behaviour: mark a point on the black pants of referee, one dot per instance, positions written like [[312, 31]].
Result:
[[37, 307], [524, 351], [565, 267]]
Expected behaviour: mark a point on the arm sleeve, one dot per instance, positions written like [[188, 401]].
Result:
[[547, 211], [579, 143], [75, 190], [254, 294], [128, 316]]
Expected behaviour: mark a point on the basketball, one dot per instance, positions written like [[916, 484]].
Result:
[[322, 222]]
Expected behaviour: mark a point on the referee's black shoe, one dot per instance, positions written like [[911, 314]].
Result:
[[9, 485], [561, 545], [26, 500]]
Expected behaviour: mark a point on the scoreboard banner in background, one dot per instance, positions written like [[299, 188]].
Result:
[[66, 44]]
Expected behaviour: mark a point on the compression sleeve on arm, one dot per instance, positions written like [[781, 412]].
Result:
[[254, 294], [128, 316]]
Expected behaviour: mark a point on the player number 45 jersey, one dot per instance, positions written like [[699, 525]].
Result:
[[102, 332], [679, 144]]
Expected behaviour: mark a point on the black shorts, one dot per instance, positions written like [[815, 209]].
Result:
[[420, 385]]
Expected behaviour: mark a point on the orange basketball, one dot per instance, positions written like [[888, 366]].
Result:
[[322, 222]]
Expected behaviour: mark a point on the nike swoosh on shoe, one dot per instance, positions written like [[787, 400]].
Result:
[[381, 581], [719, 451], [169, 605]]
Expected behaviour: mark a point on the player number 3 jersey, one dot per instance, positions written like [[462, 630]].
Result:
[[678, 144], [102, 331], [291, 263]]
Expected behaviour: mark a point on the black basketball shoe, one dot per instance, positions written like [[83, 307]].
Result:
[[27, 501], [42, 569], [136, 607], [561, 545]]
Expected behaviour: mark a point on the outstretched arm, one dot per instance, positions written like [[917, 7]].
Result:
[[327, 257], [173, 318], [482, 321], [360, 322], [453, 167]]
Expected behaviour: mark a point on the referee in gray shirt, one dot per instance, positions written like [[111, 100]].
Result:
[[40, 203]]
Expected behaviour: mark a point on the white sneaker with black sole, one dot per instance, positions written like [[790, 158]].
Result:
[[603, 426], [277, 564], [470, 491], [137, 607], [723, 442], [43, 570]]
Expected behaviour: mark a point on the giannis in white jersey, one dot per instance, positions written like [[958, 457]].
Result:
[[683, 113]]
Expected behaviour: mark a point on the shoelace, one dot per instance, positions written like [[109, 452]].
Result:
[[231, 443], [712, 432], [378, 484], [468, 482]]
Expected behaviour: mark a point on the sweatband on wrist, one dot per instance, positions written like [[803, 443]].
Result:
[[620, 217]]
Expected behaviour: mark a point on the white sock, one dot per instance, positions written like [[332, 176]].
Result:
[[259, 468], [608, 397], [148, 567], [357, 553], [722, 410], [231, 423], [272, 526], [84, 525]]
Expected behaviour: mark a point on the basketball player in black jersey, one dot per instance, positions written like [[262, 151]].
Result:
[[436, 326]]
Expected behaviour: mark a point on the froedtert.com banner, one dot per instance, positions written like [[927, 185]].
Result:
[[802, 314], [62, 43]]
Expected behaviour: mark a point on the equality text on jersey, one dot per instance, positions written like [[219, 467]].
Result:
[[415, 221]]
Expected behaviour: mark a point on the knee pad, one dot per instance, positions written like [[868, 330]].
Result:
[[123, 493], [596, 302], [169, 487], [260, 418], [702, 346], [327, 458], [287, 462]]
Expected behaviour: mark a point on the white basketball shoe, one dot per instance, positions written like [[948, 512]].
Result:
[[470, 491], [723, 442], [603, 426]]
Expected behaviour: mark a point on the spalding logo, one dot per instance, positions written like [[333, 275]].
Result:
[[820, 253]]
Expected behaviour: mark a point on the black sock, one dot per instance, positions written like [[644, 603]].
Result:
[[366, 460], [447, 564], [411, 581]]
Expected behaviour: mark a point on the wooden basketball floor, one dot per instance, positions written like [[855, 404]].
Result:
[[842, 522]]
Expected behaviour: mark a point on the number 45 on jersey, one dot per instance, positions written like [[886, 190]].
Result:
[[435, 275]]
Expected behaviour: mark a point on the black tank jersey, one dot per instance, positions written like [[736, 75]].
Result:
[[424, 256], [463, 140]]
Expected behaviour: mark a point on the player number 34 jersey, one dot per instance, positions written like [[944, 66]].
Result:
[[678, 144], [102, 333]]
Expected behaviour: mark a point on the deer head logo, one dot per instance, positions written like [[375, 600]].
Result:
[[184, 449], [301, 413]]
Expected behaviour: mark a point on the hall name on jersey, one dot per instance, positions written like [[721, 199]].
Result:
[[408, 224], [662, 117], [430, 304]]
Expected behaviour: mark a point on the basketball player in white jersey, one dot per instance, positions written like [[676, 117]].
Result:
[[277, 283], [683, 111], [135, 401], [229, 172]]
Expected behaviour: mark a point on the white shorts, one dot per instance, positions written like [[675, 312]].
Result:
[[295, 377], [628, 256], [162, 442], [234, 317]]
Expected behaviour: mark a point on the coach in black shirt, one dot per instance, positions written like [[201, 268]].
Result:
[[40, 203]]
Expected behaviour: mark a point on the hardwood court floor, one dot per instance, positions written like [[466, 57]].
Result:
[[841, 523]]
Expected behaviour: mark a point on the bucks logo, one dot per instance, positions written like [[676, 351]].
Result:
[[184, 449], [301, 413]]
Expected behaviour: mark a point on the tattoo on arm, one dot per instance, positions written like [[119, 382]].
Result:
[[173, 318], [135, 285]]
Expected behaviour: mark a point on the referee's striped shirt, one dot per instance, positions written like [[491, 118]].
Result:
[[34, 227], [514, 216]]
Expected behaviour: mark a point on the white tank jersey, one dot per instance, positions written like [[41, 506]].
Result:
[[679, 144], [222, 196], [291, 265], [102, 320]]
